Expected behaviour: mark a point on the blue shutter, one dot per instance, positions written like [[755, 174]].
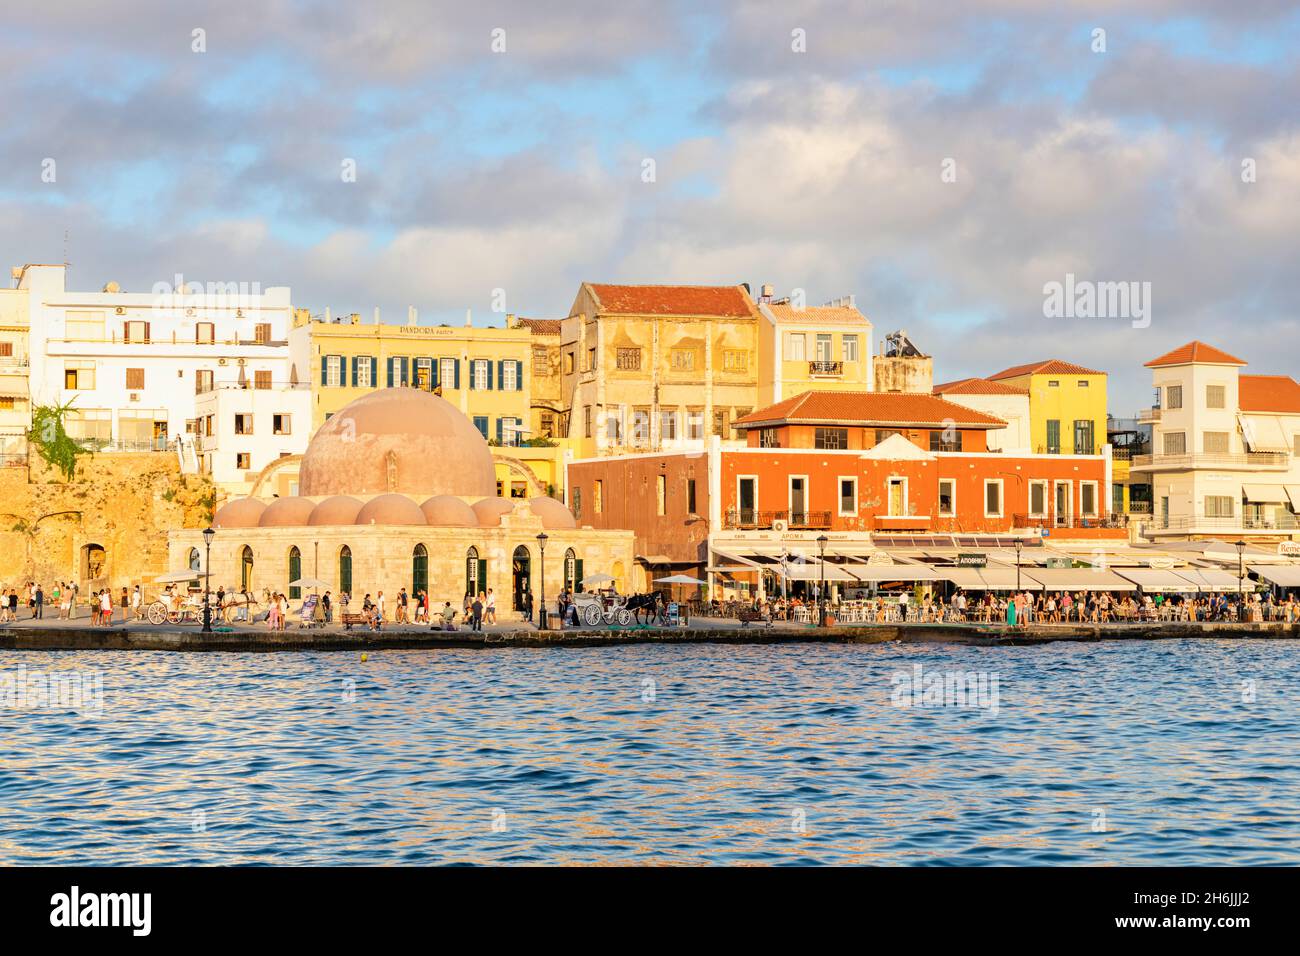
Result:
[[519, 376], [406, 370], [456, 366], [489, 371], [480, 422], [374, 371], [500, 430], [324, 369], [435, 370], [501, 373], [470, 371], [388, 372], [354, 372]]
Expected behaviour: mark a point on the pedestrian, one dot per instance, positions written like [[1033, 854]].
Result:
[[477, 610], [39, 600], [124, 599], [136, 598], [56, 598], [380, 606], [328, 607], [106, 606], [75, 588], [65, 601], [402, 605], [528, 604], [491, 607], [466, 606]]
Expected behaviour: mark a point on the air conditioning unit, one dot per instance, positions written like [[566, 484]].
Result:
[[135, 396], [780, 526], [221, 361], [241, 362]]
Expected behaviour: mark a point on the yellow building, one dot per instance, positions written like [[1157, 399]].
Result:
[[485, 372], [654, 367], [15, 369], [822, 348], [1067, 406], [547, 395]]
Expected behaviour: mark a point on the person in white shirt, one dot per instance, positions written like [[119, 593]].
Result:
[[135, 602], [490, 610], [379, 606], [106, 606]]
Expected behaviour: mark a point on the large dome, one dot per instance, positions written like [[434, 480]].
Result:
[[398, 440]]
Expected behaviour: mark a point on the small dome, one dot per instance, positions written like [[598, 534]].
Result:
[[240, 513], [553, 513], [341, 509], [448, 511], [490, 510], [390, 509], [286, 513]]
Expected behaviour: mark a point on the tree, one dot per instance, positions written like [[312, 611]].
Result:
[[52, 440]]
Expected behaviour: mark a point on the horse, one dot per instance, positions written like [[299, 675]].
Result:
[[651, 603]]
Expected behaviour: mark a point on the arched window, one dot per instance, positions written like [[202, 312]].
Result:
[[196, 562], [521, 574], [475, 572], [246, 569], [295, 571], [572, 571], [419, 571], [345, 570]]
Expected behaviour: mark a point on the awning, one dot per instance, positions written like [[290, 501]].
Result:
[[1264, 433], [813, 572], [891, 572], [984, 579], [1264, 494], [1283, 575], [1150, 580], [732, 569], [1079, 579], [1211, 580], [1293, 492]]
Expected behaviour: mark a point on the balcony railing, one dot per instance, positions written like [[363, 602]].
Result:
[[1255, 459], [1139, 507], [819, 367], [743, 519], [1069, 521], [1283, 523], [1148, 415]]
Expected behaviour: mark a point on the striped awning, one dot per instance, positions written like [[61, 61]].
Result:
[[1264, 494]]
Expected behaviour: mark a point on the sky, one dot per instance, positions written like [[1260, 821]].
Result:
[[945, 162]]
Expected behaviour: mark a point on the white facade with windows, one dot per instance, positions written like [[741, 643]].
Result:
[[239, 431]]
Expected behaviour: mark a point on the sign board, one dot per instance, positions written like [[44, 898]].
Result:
[[972, 560], [674, 615], [877, 558], [1288, 549], [1162, 564], [1059, 563]]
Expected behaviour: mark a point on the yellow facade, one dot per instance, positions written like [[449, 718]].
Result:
[[826, 348], [15, 368], [1067, 407]]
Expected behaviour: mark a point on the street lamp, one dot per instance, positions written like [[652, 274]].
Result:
[[821, 593], [1019, 544], [541, 576], [208, 535], [1241, 575]]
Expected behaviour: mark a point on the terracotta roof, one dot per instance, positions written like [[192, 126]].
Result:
[[728, 301], [1268, 393], [1045, 367], [1195, 352], [817, 314], [541, 326], [869, 408], [978, 386]]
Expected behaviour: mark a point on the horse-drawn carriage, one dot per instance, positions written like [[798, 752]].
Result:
[[594, 608], [175, 609]]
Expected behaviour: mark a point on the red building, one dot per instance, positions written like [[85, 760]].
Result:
[[872, 470]]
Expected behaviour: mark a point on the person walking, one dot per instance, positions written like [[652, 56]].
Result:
[[477, 610], [124, 601], [491, 607], [328, 607], [402, 604], [38, 600], [136, 598], [528, 605], [106, 606], [74, 589], [380, 606]]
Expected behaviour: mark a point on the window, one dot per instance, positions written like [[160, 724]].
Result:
[[849, 496], [683, 360], [262, 333], [640, 426], [993, 497], [825, 347], [939, 443], [364, 371], [591, 359], [1053, 383], [447, 373], [897, 496], [281, 424], [207, 425], [668, 424], [541, 361], [424, 373], [242, 461], [510, 429], [6, 350], [1038, 498], [690, 495], [1088, 497], [947, 497], [831, 438], [794, 346], [1295, 447], [1215, 443], [84, 326], [135, 332], [695, 425], [720, 423], [1083, 383], [243, 424], [546, 423], [768, 438], [89, 424], [746, 497], [79, 374], [262, 378], [661, 494], [1053, 436], [577, 503], [135, 378], [1175, 443], [628, 360], [1083, 437], [586, 421], [510, 376], [479, 374], [1219, 506], [568, 363], [1215, 396], [850, 348], [481, 423], [204, 333], [735, 360], [6, 403], [334, 370], [1173, 396], [597, 496], [614, 423]]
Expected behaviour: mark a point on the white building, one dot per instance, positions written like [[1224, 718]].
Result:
[[241, 430], [1225, 449], [1007, 402], [15, 398], [134, 365]]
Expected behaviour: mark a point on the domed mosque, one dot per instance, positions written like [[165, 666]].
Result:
[[398, 490]]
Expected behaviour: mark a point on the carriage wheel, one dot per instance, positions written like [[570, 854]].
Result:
[[173, 617], [591, 616], [157, 613], [624, 617]]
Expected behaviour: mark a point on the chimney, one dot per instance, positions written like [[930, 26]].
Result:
[[327, 313], [412, 317], [376, 315], [767, 293], [469, 318]]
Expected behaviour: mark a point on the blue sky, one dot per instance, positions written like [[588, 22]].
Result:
[[820, 170]]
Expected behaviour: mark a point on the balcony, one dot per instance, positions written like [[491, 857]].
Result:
[[1251, 461], [1280, 524], [823, 369], [1069, 521], [743, 519], [1148, 416]]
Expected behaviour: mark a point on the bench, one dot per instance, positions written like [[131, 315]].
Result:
[[348, 619], [749, 615]]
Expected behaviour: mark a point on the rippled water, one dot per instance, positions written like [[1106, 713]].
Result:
[[1109, 753]]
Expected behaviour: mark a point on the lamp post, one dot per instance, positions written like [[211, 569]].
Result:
[[208, 535], [1019, 544], [1240, 545], [541, 579], [821, 593]]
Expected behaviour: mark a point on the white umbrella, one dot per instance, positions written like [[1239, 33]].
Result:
[[174, 577], [309, 583], [596, 579], [679, 579]]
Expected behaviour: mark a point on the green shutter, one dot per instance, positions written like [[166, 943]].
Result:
[[577, 574], [519, 376], [324, 369], [457, 376], [482, 575], [354, 372]]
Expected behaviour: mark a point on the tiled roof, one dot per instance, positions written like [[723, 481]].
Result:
[[1195, 352], [869, 408], [541, 326], [1268, 393], [978, 386], [1045, 367], [728, 301], [817, 314]]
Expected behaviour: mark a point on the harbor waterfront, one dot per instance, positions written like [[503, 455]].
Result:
[[776, 754]]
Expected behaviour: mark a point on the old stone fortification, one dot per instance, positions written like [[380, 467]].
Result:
[[106, 527]]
